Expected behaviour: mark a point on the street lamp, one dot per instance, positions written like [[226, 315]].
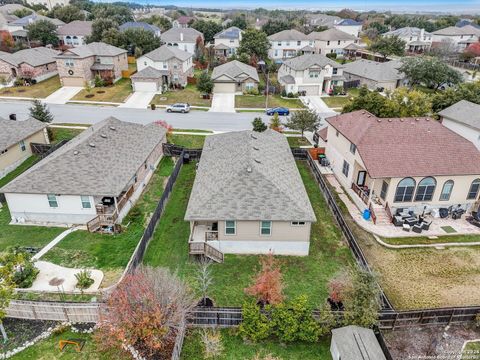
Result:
[[264, 68]]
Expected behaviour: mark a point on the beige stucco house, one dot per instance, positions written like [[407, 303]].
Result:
[[248, 197], [234, 77], [414, 163], [375, 75], [463, 117], [15, 140]]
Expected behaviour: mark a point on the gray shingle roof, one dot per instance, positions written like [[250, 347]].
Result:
[[139, 25], [11, 132], [406, 31], [106, 169], [29, 19], [330, 35], [323, 20], [93, 49], [245, 178], [287, 79], [285, 35], [34, 56], [356, 343], [233, 69], [464, 112], [164, 53], [386, 71], [175, 34], [230, 33], [306, 61], [148, 73], [77, 27], [453, 30]]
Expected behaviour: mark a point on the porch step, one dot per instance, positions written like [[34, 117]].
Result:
[[202, 248], [382, 216]]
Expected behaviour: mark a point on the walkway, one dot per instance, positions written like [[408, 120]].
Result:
[[432, 245], [316, 103], [52, 243], [223, 102], [62, 95], [139, 100]]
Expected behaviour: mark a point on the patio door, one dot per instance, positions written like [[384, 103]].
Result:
[[361, 177]]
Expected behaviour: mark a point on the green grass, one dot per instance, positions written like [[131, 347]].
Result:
[[40, 90], [236, 349], [117, 92], [188, 95], [186, 140], [194, 131], [302, 275], [60, 134], [20, 169], [296, 141], [471, 351], [340, 101], [247, 101], [426, 240]]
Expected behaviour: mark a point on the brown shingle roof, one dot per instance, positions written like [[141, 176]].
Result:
[[401, 147]]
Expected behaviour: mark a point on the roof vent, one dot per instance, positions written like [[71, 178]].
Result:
[[103, 136], [428, 119], [112, 128], [76, 152], [249, 169], [363, 112], [379, 120], [257, 161], [369, 116], [256, 148], [417, 119], [253, 136], [402, 119], [91, 145]]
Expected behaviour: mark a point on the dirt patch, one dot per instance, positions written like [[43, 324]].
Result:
[[20, 331], [111, 277], [89, 96]]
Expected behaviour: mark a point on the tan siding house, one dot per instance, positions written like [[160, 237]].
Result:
[[234, 77]]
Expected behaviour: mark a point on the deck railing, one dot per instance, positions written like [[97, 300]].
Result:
[[202, 248], [360, 192], [211, 235]]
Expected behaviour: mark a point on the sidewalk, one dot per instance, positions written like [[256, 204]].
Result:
[[62, 95]]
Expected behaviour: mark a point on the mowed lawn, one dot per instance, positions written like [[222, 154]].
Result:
[[187, 140], [117, 92], [60, 134], [258, 101], [302, 275], [40, 90], [188, 95], [338, 102]]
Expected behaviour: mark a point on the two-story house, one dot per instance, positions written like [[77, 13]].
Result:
[[162, 67], [82, 64], [183, 22], [183, 38], [331, 41], [288, 44], [74, 33], [416, 40], [349, 26], [458, 37], [311, 74], [463, 117], [227, 41], [22, 23]]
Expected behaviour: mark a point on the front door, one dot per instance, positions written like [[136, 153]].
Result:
[[361, 178]]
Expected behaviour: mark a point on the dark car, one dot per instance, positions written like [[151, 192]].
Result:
[[277, 110]]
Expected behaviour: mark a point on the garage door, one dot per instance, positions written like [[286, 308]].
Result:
[[145, 86], [73, 81], [310, 90], [224, 88]]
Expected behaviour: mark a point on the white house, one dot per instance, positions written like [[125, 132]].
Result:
[[463, 117], [416, 40], [349, 26], [313, 74], [227, 41], [183, 38], [289, 43], [331, 41], [459, 37], [74, 33]]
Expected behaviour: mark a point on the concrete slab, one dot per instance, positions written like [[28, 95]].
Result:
[[62, 95], [223, 102], [139, 100]]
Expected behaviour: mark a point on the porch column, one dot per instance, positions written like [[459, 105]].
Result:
[[116, 205], [372, 184]]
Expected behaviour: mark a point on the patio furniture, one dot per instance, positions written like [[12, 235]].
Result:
[[443, 212], [410, 221], [457, 214], [406, 227], [426, 225], [417, 228], [77, 343], [397, 221]]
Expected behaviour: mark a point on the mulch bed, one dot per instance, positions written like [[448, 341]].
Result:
[[21, 331]]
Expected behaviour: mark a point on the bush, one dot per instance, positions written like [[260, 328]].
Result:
[[212, 343], [284, 93], [255, 325], [18, 82], [84, 279], [290, 95], [251, 92], [20, 266], [331, 55], [337, 90], [152, 106], [99, 81], [261, 88]]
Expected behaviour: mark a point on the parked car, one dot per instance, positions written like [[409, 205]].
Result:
[[179, 107], [277, 110]]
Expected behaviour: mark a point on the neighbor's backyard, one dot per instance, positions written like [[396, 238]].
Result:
[[40, 90]]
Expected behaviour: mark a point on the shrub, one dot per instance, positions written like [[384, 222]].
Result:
[[84, 279], [212, 343], [331, 55], [98, 81], [337, 90], [268, 286], [20, 266], [477, 320], [3, 80], [251, 92], [290, 95], [255, 325], [18, 82], [284, 93]]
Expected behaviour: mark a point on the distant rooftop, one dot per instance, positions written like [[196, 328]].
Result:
[[464, 112]]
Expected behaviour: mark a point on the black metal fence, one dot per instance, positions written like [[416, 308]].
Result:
[[351, 84], [177, 150], [43, 150]]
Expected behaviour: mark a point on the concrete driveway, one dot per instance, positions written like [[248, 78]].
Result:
[[223, 102], [62, 95], [139, 100]]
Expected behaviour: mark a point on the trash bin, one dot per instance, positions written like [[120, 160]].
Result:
[[366, 214], [186, 158]]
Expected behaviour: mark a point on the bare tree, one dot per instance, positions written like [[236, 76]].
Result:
[[204, 277], [212, 343]]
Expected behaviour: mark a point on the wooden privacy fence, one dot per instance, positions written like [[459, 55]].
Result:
[[177, 348], [44, 150]]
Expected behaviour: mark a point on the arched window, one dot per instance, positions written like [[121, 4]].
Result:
[[405, 189], [473, 192], [425, 189], [446, 190]]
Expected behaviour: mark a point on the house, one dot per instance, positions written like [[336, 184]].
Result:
[[375, 75], [458, 37], [349, 26], [316, 20], [22, 23], [331, 41], [6, 14], [248, 197], [36, 64], [161, 67], [289, 43], [92, 180], [74, 33], [227, 41], [465, 22], [226, 23], [15, 140], [183, 38], [313, 74], [416, 40], [402, 163], [50, 4], [354, 343], [82, 64], [259, 23], [463, 117], [141, 25], [234, 77], [183, 22]]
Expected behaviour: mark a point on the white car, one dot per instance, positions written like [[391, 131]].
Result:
[[179, 107]]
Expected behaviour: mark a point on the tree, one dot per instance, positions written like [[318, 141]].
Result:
[[68, 13], [205, 83], [381, 29], [268, 286], [7, 287], [114, 37], [207, 28], [303, 120], [141, 39], [43, 31], [204, 278], [118, 13], [466, 91], [239, 21], [212, 343], [160, 21], [259, 125], [40, 111], [275, 26], [275, 123], [429, 71], [99, 26], [388, 45], [254, 43], [20, 13]]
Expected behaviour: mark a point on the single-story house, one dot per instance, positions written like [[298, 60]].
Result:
[[161, 67], [355, 343], [399, 163], [248, 197], [15, 140], [36, 64], [92, 180], [81, 64], [183, 38], [234, 77], [463, 117], [74, 33], [141, 25], [374, 74]]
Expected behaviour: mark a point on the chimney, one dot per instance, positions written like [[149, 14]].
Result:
[[12, 117], [181, 36]]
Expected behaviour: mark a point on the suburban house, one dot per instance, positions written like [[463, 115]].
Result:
[[313, 74], [315, 20], [416, 40], [354, 343], [349, 26], [331, 41], [227, 42], [22, 23], [289, 43], [248, 197], [74, 33], [375, 75], [141, 25], [400, 163], [463, 117], [15, 140], [183, 22], [458, 37], [162, 67], [183, 38], [234, 77], [82, 64], [34, 64], [6, 14], [92, 180]]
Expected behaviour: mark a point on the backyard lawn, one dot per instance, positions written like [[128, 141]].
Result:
[[117, 92], [339, 101], [20, 169], [236, 349], [60, 134], [297, 141], [258, 101], [40, 90], [302, 275], [186, 140], [188, 95]]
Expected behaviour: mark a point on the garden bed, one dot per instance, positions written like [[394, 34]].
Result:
[[21, 331]]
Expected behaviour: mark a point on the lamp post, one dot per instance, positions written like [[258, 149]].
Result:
[[264, 68]]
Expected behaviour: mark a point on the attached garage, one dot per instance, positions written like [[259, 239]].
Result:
[[228, 88], [145, 85], [148, 79], [310, 89], [73, 81]]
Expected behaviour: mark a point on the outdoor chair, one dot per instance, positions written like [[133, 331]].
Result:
[[426, 225], [410, 221], [397, 221], [417, 228], [406, 227]]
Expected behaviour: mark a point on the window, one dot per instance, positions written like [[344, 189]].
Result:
[[405, 189], [345, 168], [69, 62], [353, 148], [279, 43], [335, 71], [287, 43], [337, 133], [230, 227], [231, 41], [446, 190], [338, 42], [299, 43], [313, 74], [473, 192], [328, 42], [265, 227], [22, 145], [3, 151], [175, 66], [86, 202], [249, 86], [145, 63], [425, 189], [298, 223], [52, 201], [276, 53], [383, 191], [164, 65]]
